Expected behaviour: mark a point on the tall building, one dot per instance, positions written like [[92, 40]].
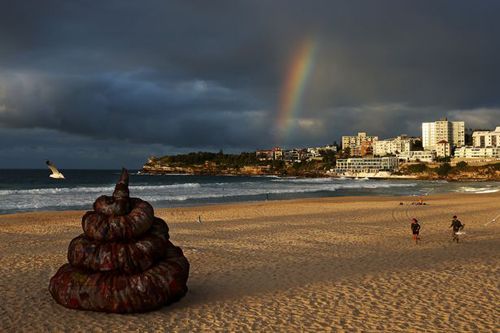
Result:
[[395, 145], [452, 132], [484, 139], [360, 144]]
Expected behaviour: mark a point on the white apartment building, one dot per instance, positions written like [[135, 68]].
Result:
[[316, 151], [292, 155], [394, 146], [417, 156], [486, 138], [368, 165], [354, 143], [443, 149], [451, 131], [383, 147], [264, 154], [277, 153], [478, 152]]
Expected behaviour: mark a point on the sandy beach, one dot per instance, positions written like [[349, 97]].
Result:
[[316, 265]]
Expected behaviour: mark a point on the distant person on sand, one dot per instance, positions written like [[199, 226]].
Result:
[[420, 202], [415, 229], [457, 226]]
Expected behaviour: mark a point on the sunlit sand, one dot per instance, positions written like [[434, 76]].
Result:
[[302, 265]]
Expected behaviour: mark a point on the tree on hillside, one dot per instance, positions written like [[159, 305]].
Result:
[[416, 168], [444, 169], [345, 153], [461, 165], [329, 158]]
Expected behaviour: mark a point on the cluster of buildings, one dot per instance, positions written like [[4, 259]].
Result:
[[485, 144], [440, 139], [294, 155]]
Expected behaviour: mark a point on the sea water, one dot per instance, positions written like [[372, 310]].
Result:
[[33, 190]]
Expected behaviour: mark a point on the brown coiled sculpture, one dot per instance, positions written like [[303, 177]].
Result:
[[123, 262]]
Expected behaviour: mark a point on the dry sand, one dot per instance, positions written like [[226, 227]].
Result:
[[339, 264]]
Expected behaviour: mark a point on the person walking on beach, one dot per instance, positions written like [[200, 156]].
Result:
[[457, 226], [415, 229]]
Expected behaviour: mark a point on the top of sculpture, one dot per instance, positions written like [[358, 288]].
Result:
[[121, 188]]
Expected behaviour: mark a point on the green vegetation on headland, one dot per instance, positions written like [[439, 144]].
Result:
[[460, 171], [207, 163]]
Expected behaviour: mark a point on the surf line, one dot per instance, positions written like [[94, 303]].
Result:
[[432, 189], [492, 221]]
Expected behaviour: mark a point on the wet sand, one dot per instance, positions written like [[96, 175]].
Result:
[[315, 265]]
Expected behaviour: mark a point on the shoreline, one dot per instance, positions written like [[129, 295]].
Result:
[[325, 175], [339, 198], [456, 171], [314, 264], [233, 204]]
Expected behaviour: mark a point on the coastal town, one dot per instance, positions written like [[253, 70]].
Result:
[[250, 166], [443, 145]]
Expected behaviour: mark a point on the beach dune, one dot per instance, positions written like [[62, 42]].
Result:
[[315, 265]]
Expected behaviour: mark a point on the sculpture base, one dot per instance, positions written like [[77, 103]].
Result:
[[117, 292]]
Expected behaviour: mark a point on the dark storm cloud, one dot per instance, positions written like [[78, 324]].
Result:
[[30, 148], [209, 74], [125, 107]]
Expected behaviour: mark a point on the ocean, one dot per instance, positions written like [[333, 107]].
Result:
[[33, 190]]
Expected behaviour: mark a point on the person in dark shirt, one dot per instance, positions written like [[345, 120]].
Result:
[[415, 229], [457, 226]]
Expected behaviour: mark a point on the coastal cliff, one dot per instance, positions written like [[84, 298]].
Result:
[[221, 170], [234, 165], [207, 170], [459, 172], [212, 164]]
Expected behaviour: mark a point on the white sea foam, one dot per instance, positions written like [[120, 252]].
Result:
[[97, 189], [265, 176], [303, 180], [26, 202], [374, 185], [468, 189], [236, 190], [489, 191], [233, 193], [57, 190], [228, 189], [172, 186]]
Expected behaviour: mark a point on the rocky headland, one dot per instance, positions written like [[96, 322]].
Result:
[[423, 171]]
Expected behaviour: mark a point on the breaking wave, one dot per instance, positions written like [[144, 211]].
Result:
[[40, 193], [467, 189], [97, 189]]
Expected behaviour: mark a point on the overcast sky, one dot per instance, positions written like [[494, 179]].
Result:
[[105, 84]]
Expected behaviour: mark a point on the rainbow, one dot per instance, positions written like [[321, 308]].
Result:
[[293, 88]]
